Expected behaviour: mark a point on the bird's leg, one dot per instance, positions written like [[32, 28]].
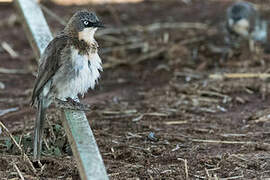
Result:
[[77, 103], [71, 104]]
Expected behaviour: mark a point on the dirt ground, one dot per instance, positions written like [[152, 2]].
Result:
[[158, 115]]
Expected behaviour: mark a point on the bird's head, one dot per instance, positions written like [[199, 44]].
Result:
[[238, 17], [83, 25]]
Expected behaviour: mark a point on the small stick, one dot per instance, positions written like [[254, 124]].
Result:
[[262, 119], [13, 71], [138, 118], [5, 111], [18, 146], [207, 174], [46, 143], [214, 169], [176, 25], [239, 75], [233, 177], [114, 174], [9, 49], [175, 122], [186, 167], [229, 142], [192, 40], [42, 167], [18, 170], [156, 114]]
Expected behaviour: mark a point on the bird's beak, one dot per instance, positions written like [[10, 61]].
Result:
[[99, 24]]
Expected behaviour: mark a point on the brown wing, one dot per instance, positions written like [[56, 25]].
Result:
[[49, 64]]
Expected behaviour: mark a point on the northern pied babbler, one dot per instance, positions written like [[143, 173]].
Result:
[[243, 24], [69, 66]]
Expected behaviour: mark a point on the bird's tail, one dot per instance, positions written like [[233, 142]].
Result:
[[39, 128]]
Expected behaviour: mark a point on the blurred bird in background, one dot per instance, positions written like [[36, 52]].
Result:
[[69, 66], [243, 24]]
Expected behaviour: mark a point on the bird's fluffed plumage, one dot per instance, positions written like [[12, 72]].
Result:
[[70, 65], [61, 63]]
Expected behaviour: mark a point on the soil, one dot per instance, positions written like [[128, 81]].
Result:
[[159, 117]]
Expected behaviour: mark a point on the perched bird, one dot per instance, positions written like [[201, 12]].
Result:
[[69, 66], [243, 22]]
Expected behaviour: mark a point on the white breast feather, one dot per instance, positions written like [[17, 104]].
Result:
[[241, 27], [86, 77]]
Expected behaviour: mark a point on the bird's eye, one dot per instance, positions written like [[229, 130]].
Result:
[[86, 23]]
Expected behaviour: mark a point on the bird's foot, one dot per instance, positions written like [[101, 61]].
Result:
[[71, 104]]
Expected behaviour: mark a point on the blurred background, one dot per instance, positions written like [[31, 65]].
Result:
[[162, 98]]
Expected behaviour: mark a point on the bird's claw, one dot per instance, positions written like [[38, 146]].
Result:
[[71, 104]]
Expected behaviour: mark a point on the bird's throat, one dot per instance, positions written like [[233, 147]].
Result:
[[87, 35]]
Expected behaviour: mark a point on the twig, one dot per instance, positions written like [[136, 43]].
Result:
[[5, 111], [14, 71], [207, 174], [18, 170], [219, 50], [175, 122], [118, 116], [212, 93], [237, 156], [186, 167], [213, 169], [233, 177], [176, 25], [192, 40], [198, 176], [233, 135], [262, 119], [229, 142], [46, 143], [114, 174], [138, 118], [156, 114], [130, 111], [9, 50], [18, 146], [42, 167], [239, 75]]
